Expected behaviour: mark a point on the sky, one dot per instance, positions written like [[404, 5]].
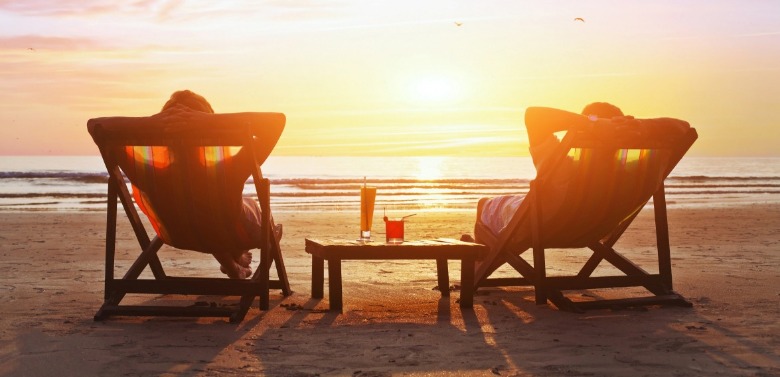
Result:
[[391, 78]]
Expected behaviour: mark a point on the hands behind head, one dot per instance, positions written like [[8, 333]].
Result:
[[179, 116], [630, 127], [615, 125]]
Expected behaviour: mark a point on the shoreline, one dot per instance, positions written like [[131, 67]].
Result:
[[724, 259], [672, 204]]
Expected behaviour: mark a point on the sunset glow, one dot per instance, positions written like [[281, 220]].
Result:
[[429, 168], [434, 90], [391, 77]]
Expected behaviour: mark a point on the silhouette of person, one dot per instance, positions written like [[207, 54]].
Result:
[[186, 107]]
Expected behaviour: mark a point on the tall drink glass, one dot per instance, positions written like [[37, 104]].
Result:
[[367, 197]]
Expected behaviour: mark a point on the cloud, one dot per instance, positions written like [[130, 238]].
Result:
[[75, 7], [23, 42], [168, 9], [761, 34], [156, 9], [346, 112], [441, 144]]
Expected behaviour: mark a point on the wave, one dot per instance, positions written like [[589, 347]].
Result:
[[102, 177], [398, 194], [303, 194], [720, 178], [51, 195], [58, 175], [767, 185]]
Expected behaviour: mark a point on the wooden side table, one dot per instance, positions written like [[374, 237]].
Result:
[[441, 250]]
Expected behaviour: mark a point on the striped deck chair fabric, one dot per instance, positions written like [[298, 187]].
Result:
[[192, 196]]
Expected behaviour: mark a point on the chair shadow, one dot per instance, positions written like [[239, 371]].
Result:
[[627, 341], [363, 342], [142, 345], [505, 333]]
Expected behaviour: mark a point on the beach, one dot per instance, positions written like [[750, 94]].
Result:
[[724, 259]]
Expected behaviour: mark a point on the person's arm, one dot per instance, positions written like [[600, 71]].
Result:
[[271, 126], [543, 122], [181, 117], [172, 116]]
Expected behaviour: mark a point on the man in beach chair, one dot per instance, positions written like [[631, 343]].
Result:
[[589, 188], [187, 167]]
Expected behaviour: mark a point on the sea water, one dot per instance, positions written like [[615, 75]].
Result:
[[78, 183]]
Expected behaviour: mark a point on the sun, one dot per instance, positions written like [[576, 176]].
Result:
[[429, 168], [435, 89]]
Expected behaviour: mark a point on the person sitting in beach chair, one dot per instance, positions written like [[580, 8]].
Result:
[[188, 167], [589, 187], [187, 106]]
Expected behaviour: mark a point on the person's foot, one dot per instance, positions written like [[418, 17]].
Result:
[[234, 271], [244, 272], [467, 238], [245, 259], [235, 266]]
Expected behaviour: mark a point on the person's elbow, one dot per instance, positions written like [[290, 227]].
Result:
[[533, 114]]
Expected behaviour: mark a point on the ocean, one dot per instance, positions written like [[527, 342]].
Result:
[[404, 184]]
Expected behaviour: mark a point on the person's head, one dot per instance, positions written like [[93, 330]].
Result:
[[602, 110], [189, 99]]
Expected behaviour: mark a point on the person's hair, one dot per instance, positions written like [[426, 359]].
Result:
[[189, 99], [602, 110]]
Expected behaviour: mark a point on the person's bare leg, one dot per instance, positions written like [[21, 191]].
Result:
[[480, 207]]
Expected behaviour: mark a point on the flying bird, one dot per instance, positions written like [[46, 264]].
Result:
[[30, 48], [579, 19], [458, 23]]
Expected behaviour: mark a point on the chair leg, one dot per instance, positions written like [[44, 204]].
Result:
[[562, 302], [278, 260], [264, 278], [243, 307], [626, 266], [110, 238], [590, 266], [541, 276], [662, 238], [540, 268]]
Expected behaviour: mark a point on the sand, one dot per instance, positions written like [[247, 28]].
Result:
[[726, 261]]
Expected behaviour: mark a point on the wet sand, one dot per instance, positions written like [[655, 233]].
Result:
[[725, 261]]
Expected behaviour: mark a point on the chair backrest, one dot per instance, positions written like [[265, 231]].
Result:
[[189, 179], [600, 178]]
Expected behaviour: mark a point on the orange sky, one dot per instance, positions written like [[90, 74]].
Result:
[[391, 77]]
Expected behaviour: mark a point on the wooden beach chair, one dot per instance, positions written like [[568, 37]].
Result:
[[188, 181], [611, 174]]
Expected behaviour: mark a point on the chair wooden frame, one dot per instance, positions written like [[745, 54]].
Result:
[[110, 134], [508, 248]]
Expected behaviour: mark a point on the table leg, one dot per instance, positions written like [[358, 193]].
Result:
[[334, 284], [444, 277], [467, 282], [317, 276]]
